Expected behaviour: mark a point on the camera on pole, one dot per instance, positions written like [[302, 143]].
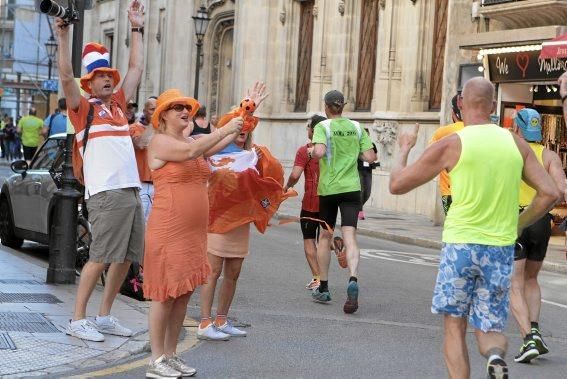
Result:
[[70, 15]]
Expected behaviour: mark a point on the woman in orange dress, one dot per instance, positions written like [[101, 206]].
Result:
[[175, 261]]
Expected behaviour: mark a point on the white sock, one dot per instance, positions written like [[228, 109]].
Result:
[[493, 357]]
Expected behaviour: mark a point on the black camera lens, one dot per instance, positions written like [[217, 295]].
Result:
[[51, 8]]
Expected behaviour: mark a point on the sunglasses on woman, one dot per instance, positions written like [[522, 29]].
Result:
[[180, 107]]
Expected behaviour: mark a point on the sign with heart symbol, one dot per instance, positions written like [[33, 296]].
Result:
[[523, 61], [524, 66]]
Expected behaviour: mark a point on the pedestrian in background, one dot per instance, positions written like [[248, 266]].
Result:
[[200, 123], [365, 174], [175, 259], [309, 213], [10, 140], [57, 122], [486, 164], [141, 133], [29, 128]]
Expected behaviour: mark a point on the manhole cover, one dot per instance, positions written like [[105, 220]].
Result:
[[28, 298], [19, 281], [6, 342], [25, 322]]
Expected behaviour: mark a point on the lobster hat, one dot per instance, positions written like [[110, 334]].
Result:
[[245, 110], [96, 58], [170, 97]]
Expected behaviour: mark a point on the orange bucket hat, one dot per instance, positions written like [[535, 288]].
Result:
[[96, 58], [169, 97]]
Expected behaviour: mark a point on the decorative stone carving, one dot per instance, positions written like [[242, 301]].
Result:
[[212, 4], [382, 4], [342, 7], [315, 10], [386, 134], [282, 15]]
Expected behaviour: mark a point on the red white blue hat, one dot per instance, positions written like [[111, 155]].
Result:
[[96, 58]]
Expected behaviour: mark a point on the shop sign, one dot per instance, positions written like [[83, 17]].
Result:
[[524, 66]]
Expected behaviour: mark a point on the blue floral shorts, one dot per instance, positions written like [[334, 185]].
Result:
[[474, 281]]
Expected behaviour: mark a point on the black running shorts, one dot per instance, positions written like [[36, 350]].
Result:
[[309, 228], [348, 203], [532, 244]]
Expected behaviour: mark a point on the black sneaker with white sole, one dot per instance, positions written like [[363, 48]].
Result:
[[497, 369], [528, 351], [540, 344]]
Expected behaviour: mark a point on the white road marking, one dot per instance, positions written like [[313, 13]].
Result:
[[554, 303]]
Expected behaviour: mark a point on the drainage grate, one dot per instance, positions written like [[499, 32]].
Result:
[[26, 322], [28, 298], [19, 281], [6, 342]]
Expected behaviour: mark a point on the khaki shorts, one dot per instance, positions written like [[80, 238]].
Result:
[[117, 222]]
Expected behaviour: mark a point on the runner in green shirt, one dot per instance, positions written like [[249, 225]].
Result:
[[339, 143], [30, 128]]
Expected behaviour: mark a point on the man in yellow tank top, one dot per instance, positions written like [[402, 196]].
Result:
[[531, 246], [486, 164]]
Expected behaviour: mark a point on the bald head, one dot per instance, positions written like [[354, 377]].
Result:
[[477, 101], [149, 108]]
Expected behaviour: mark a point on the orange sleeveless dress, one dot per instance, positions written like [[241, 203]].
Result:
[[175, 260]]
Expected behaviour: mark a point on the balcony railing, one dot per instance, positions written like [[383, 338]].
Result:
[[518, 14]]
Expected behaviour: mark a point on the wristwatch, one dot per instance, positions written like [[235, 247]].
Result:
[[138, 29]]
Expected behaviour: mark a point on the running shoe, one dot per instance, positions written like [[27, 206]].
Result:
[[110, 325], [538, 339], [178, 364], [528, 351], [211, 333], [314, 283], [351, 305], [85, 330], [340, 251], [321, 297], [497, 369], [232, 331], [161, 369]]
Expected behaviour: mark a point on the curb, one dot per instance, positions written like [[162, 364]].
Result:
[[426, 243]]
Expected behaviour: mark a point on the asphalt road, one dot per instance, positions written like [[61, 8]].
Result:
[[393, 334]]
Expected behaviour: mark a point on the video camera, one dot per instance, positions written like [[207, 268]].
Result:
[[69, 15]]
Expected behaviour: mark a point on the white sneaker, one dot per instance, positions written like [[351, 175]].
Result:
[[211, 333], [160, 369], [84, 329], [177, 364], [229, 329], [110, 325]]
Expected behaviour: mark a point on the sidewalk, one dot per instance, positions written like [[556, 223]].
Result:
[[418, 230], [33, 317]]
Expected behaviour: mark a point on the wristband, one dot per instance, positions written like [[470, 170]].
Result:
[[139, 30]]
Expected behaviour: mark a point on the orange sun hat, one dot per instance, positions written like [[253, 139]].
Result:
[[96, 58], [169, 97]]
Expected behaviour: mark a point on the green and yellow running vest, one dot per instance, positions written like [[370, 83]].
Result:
[[527, 193], [485, 185]]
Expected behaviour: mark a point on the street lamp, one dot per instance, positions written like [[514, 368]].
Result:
[[201, 22], [51, 49]]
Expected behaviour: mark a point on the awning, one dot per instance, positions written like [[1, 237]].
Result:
[[556, 48]]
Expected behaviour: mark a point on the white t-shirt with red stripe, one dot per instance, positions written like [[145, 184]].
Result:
[[109, 161]]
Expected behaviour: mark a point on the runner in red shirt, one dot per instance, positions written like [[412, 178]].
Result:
[[310, 204]]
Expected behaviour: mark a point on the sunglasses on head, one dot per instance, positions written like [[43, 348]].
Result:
[[180, 107]]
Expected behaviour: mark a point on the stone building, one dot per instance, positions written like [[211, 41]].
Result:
[[397, 62]]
